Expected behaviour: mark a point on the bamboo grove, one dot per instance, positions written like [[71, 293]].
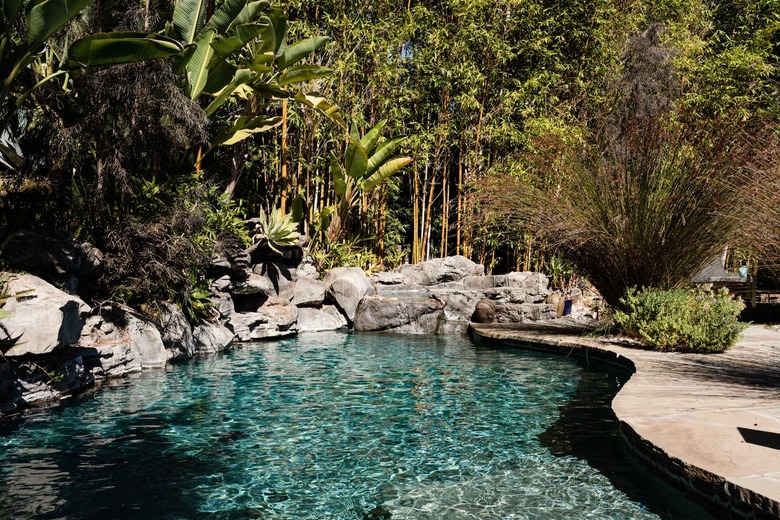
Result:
[[378, 125], [470, 83]]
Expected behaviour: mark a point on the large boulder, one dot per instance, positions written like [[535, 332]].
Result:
[[458, 304], [282, 278], [55, 259], [440, 270], [253, 284], [117, 326], [323, 319], [42, 317], [309, 292], [403, 291], [176, 331], [423, 315], [276, 318], [210, 338], [534, 284], [347, 286], [520, 312]]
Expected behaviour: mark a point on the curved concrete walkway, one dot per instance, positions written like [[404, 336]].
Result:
[[711, 423]]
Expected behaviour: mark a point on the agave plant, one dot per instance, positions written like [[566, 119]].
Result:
[[277, 229]]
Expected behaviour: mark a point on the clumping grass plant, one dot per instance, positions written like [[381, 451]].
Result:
[[682, 320], [647, 192]]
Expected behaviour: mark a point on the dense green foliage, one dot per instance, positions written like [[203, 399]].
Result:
[[684, 320], [263, 106]]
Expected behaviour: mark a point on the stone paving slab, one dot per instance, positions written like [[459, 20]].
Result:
[[709, 422]]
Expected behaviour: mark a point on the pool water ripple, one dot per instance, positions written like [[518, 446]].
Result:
[[325, 426]]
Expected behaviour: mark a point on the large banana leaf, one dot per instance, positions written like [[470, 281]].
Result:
[[301, 73], [242, 77], [279, 23], [385, 171], [189, 17], [119, 47], [296, 52], [249, 13], [221, 73], [45, 17], [321, 104], [339, 180], [237, 38], [198, 65], [383, 153], [10, 9], [372, 136], [224, 16], [269, 91], [356, 160], [245, 127]]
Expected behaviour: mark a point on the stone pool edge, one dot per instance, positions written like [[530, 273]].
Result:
[[705, 484]]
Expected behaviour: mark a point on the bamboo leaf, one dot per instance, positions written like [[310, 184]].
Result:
[[296, 52], [189, 17], [45, 17], [303, 73], [119, 47], [387, 170]]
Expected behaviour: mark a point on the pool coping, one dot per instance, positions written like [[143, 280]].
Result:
[[686, 416]]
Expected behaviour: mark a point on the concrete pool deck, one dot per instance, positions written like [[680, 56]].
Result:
[[710, 423]]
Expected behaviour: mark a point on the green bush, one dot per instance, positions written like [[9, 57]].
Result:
[[683, 320]]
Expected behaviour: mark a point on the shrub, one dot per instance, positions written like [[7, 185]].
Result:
[[684, 320]]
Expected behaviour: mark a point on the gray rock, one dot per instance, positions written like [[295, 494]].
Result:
[[309, 292], [308, 268], [534, 284], [377, 313], [176, 332], [279, 312], [43, 319], [224, 304], [253, 326], [210, 338], [387, 278], [347, 286], [403, 291], [458, 305], [518, 313], [117, 325], [50, 257], [282, 278], [253, 284], [223, 284], [440, 270], [319, 320], [110, 359], [507, 294], [485, 312], [479, 282]]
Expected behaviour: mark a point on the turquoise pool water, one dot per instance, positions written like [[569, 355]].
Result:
[[324, 426]]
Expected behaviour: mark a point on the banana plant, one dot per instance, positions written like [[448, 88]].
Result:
[[367, 163], [238, 52], [21, 54]]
